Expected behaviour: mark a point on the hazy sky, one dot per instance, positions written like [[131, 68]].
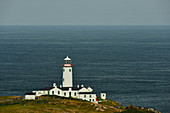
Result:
[[84, 12]]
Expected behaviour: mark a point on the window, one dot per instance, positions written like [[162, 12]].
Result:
[[63, 70], [52, 92], [58, 92], [75, 94], [64, 93], [90, 96], [84, 96], [69, 70]]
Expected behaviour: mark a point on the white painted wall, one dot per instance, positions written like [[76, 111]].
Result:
[[59, 92], [67, 77], [41, 92], [30, 97], [56, 91], [65, 93], [103, 96], [88, 97], [73, 94]]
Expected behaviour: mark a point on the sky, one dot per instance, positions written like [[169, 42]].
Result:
[[84, 12]]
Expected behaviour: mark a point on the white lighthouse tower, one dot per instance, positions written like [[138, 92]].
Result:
[[67, 73]]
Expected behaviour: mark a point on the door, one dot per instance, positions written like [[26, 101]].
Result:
[[69, 94]]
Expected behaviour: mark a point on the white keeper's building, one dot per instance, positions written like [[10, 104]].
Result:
[[67, 89]]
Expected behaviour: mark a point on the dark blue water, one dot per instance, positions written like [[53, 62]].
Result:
[[130, 63]]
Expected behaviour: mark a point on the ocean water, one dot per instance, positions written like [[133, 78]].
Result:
[[130, 63]]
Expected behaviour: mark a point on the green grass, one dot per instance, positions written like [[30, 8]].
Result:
[[112, 103], [55, 104], [50, 104], [9, 97]]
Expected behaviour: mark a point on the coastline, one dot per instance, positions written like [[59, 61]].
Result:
[[57, 104]]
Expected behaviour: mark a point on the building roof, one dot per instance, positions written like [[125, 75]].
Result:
[[29, 93], [47, 88], [86, 93], [67, 58], [73, 88]]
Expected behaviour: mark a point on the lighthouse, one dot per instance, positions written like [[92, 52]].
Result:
[[67, 73], [67, 89]]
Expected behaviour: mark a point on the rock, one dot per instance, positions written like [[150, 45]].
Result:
[[95, 105], [119, 103], [101, 109], [104, 107], [131, 107], [97, 109], [118, 107]]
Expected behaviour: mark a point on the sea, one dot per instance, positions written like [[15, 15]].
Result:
[[131, 64]]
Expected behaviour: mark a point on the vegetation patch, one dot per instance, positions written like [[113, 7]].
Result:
[[55, 104]]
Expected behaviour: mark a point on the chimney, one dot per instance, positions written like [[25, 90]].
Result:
[[78, 85], [54, 84], [60, 86]]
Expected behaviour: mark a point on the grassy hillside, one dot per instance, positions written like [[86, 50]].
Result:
[[56, 104], [9, 97]]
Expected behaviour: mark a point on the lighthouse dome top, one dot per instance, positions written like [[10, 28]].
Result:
[[67, 58]]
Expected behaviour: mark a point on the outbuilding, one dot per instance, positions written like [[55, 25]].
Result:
[[30, 96]]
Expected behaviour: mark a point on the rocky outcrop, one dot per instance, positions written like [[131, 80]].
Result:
[[131, 107]]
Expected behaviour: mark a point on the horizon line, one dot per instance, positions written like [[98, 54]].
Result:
[[85, 25]]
